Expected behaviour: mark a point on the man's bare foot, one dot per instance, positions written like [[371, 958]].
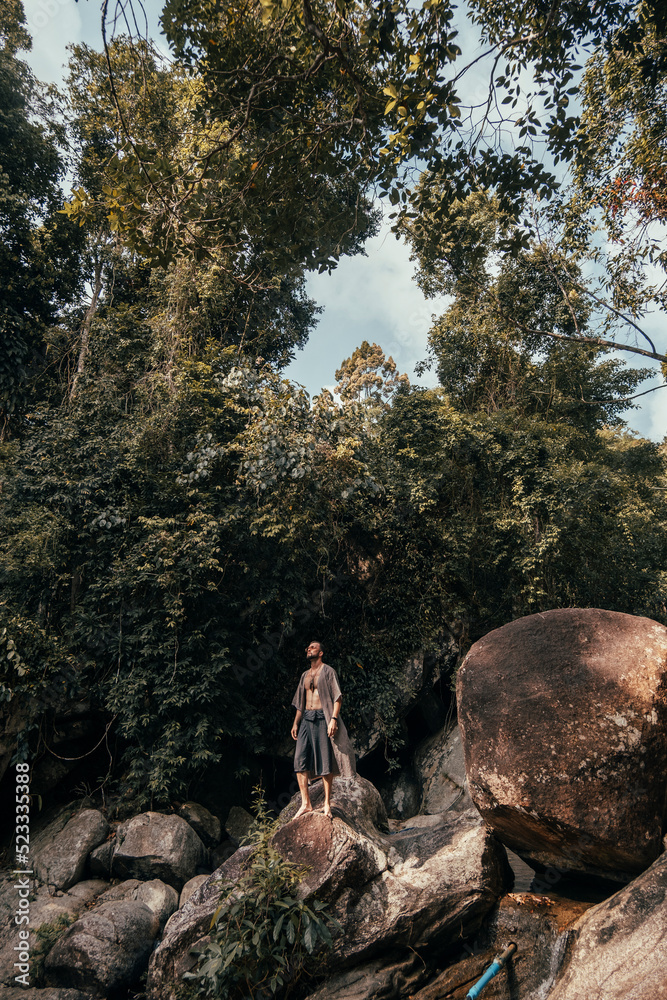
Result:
[[327, 811], [303, 809]]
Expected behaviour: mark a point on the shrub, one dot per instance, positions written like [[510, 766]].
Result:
[[262, 934]]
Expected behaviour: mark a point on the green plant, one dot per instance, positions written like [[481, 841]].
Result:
[[47, 935], [262, 934]]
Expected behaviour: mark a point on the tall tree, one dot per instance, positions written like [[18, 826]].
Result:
[[38, 264], [368, 374]]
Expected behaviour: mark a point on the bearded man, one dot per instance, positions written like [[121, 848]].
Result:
[[323, 747]]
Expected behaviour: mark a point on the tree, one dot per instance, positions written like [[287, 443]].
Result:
[[238, 292], [620, 175], [38, 267], [367, 92], [367, 375]]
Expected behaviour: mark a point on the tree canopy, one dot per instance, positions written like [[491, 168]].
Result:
[[175, 514]]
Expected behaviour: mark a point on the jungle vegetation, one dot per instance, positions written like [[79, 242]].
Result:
[[177, 519]]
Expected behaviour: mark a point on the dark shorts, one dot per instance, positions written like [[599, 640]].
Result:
[[314, 752]]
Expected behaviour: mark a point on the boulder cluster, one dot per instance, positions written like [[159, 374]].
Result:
[[559, 757]]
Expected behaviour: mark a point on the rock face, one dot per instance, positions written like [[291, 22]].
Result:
[[620, 946], [540, 927], [21, 993], [61, 861], [239, 824], [190, 887], [417, 888], [440, 764], [383, 979], [106, 949], [401, 795], [564, 723], [155, 846], [203, 822], [45, 908]]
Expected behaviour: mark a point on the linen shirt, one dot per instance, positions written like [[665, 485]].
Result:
[[329, 692]]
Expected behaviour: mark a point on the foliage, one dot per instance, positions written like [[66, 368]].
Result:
[[380, 85], [46, 936], [175, 515], [38, 265], [368, 374], [262, 933], [622, 146]]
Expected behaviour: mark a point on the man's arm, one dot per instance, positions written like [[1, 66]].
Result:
[[295, 725], [332, 728]]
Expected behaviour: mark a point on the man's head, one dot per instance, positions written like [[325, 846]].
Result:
[[314, 652]]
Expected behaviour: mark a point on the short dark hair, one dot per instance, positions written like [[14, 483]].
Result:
[[318, 643]]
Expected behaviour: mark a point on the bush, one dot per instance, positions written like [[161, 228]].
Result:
[[262, 935]]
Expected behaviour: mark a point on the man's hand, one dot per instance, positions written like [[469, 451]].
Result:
[[332, 728], [295, 731]]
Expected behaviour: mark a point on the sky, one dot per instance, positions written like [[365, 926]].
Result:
[[371, 297]]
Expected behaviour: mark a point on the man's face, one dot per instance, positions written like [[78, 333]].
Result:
[[313, 651]]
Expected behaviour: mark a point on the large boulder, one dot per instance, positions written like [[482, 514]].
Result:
[[61, 854], [418, 888], [50, 915], [564, 723], [619, 950], [155, 846], [106, 949]]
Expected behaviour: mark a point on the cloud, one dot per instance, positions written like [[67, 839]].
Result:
[[370, 298]]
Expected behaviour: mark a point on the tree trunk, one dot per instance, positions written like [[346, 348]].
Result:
[[84, 346]]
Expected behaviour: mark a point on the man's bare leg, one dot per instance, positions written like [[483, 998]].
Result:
[[306, 807], [327, 781]]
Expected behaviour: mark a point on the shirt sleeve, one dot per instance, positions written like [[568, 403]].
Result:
[[334, 686], [299, 700]]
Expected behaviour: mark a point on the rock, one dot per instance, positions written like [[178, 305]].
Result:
[[21, 993], [48, 912], [239, 824], [538, 925], [401, 795], [417, 888], [155, 846], [191, 887], [221, 853], [162, 899], [439, 884], [186, 927], [61, 861], [564, 723], [619, 951], [99, 860], [204, 823], [107, 948], [159, 897], [383, 979], [440, 764]]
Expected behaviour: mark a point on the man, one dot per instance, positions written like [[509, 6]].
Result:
[[323, 748]]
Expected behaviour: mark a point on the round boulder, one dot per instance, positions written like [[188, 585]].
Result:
[[106, 950], [60, 861], [155, 846], [563, 717]]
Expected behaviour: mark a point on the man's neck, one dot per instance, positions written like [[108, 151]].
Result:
[[316, 664]]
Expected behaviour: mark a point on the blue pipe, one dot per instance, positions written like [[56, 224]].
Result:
[[492, 971]]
